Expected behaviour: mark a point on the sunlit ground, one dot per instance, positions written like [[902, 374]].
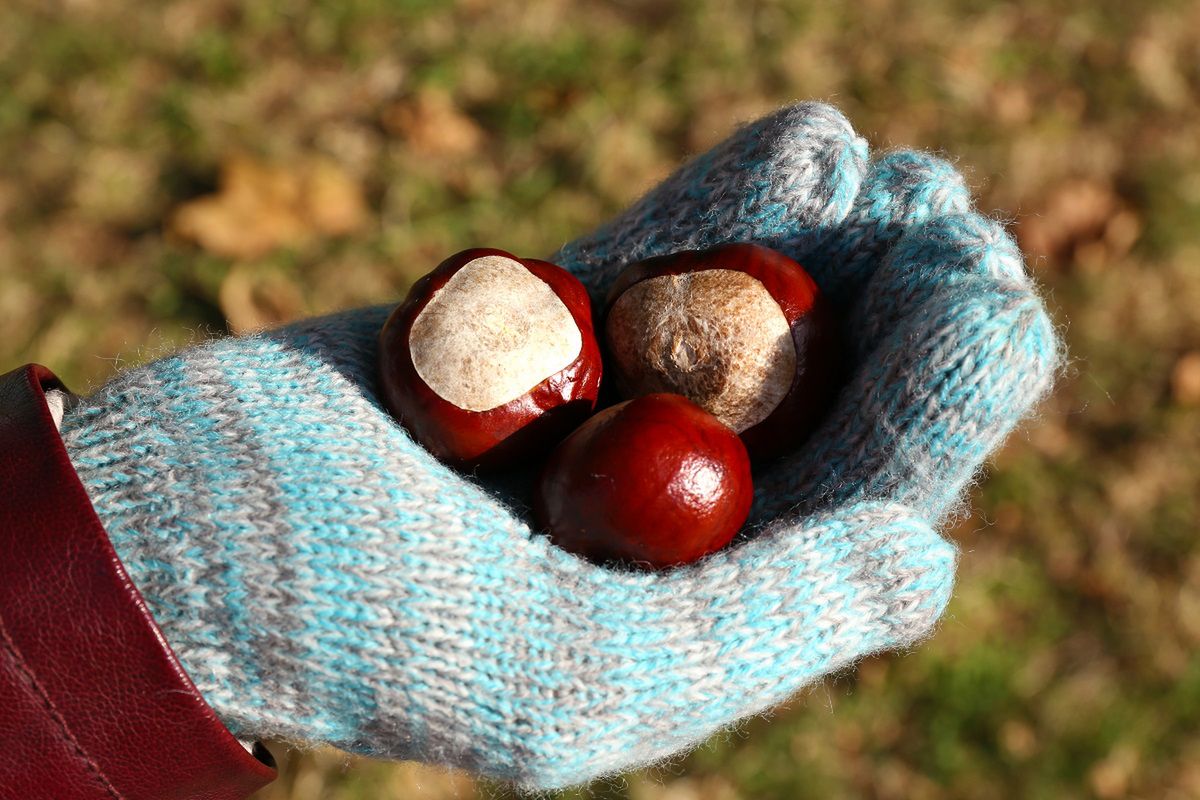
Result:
[[170, 171]]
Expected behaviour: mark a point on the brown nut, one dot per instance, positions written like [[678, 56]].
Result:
[[739, 329], [491, 358], [655, 482]]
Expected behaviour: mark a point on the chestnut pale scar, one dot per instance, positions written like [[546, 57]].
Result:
[[492, 333], [716, 336]]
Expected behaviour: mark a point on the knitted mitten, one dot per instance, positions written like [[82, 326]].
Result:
[[322, 578]]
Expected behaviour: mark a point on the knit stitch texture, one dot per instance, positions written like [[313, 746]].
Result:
[[322, 578]]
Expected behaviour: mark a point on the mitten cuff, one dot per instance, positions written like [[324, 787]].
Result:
[[96, 704]]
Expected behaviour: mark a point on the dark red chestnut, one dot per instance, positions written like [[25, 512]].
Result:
[[491, 358], [656, 481], [739, 329]]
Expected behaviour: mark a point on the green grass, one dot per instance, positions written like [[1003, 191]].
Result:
[[1067, 663]]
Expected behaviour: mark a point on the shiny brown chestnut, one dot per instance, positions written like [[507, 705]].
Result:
[[656, 482], [739, 329], [491, 358]]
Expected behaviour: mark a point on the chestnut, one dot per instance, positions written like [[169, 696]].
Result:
[[740, 329], [656, 481], [491, 359]]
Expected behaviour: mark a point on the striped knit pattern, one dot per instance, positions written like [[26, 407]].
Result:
[[322, 578]]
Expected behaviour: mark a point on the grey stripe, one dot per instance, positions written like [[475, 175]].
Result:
[[265, 553]]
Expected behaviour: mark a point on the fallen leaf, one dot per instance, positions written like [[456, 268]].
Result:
[[1018, 738], [433, 125], [1011, 103], [1082, 221], [1185, 379], [411, 779], [1111, 777], [711, 787], [252, 298], [261, 207], [333, 201]]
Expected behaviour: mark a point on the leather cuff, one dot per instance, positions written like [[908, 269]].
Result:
[[94, 705]]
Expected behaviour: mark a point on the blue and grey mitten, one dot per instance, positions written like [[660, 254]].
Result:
[[323, 579]]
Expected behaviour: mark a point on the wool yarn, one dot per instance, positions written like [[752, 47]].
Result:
[[323, 579]]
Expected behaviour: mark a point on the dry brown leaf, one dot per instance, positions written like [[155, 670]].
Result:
[[1185, 379], [1011, 103], [433, 125], [1155, 61], [1083, 221], [262, 207], [711, 787], [333, 201], [1018, 738], [1111, 776], [255, 298], [410, 779]]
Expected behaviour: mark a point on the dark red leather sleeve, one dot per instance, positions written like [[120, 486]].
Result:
[[94, 705]]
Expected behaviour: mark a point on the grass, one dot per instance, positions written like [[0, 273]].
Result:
[[1069, 662]]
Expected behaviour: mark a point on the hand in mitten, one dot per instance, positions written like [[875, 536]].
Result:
[[324, 579]]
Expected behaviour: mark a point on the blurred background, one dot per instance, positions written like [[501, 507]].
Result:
[[175, 170]]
